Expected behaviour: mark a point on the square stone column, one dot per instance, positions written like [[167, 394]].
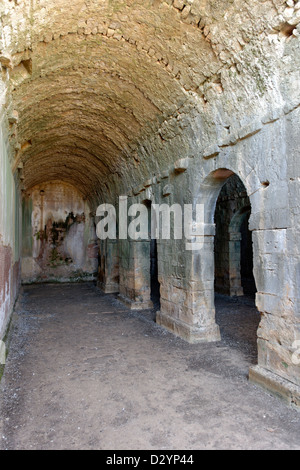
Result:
[[187, 301], [135, 280], [234, 249], [278, 367], [108, 271]]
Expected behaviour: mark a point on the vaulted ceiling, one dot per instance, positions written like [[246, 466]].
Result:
[[90, 80]]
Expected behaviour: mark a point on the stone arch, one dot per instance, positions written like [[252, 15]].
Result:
[[233, 240], [201, 261], [192, 316], [213, 180]]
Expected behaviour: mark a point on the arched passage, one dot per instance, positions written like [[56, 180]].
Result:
[[202, 262], [106, 104], [233, 241]]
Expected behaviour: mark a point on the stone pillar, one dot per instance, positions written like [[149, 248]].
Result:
[[187, 304], [135, 280], [228, 266], [234, 253], [278, 369], [108, 272]]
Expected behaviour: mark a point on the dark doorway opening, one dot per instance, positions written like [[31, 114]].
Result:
[[233, 241], [155, 285], [235, 288]]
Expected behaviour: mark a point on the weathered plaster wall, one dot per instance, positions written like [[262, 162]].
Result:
[[59, 235]]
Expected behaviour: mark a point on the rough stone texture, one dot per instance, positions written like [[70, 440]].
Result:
[[179, 95]]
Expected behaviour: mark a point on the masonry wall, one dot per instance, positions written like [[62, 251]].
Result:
[[10, 220], [271, 180]]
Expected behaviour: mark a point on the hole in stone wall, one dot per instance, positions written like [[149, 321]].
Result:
[[218, 86], [27, 64], [21, 72], [287, 30], [26, 145]]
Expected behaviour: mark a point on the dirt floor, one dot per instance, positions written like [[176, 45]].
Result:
[[83, 372]]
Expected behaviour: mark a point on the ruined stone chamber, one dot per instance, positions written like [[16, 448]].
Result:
[[175, 102]]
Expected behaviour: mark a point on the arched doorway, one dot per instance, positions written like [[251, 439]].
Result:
[[195, 320], [235, 288], [233, 241]]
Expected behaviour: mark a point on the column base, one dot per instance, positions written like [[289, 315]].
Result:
[[276, 385], [238, 292], [191, 334], [108, 288], [134, 305]]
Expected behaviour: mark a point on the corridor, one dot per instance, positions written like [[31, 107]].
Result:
[[84, 372]]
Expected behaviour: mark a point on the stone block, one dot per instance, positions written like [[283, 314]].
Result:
[[211, 151], [276, 385], [181, 165], [167, 190], [187, 332]]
